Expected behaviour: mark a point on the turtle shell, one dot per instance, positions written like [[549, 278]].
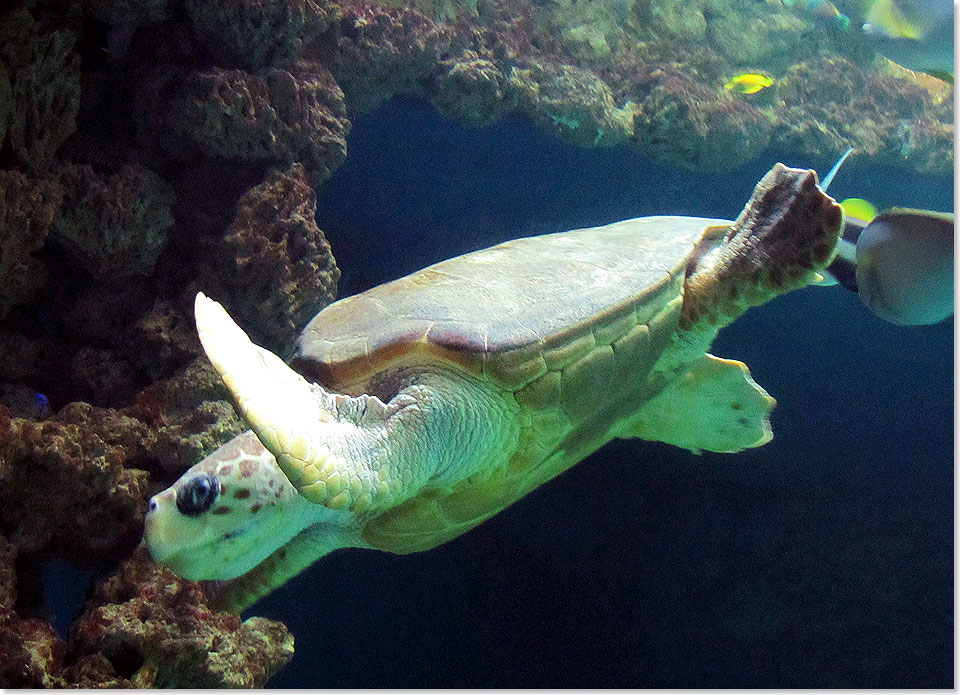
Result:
[[567, 324], [512, 313]]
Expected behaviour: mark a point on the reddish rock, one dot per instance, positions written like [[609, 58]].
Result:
[[157, 628], [375, 52], [573, 104], [124, 15], [473, 90], [256, 33], [44, 75], [101, 315], [115, 226], [163, 339], [6, 102], [70, 488], [830, 104], [31, 653], [189, 415], [275, 262], [64, 488], [105, 375], [685, 122], [271, 117], [27, 210], [22, 359], [32, 369], [8, 553]]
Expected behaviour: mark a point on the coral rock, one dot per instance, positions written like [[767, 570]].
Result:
[[687, 123], [103, 374], [163, 339], [82, 450], [116, 226], [99, 315], [61, 373], [276, 262], [190, 414], [8, 553], [678, 20], [31, 653], [377, 52], [474, 91], [24, 402], [44, 74], [745, 35], [573, 104], [6, 102], [157, 627], [439, 10], [27, 210], [256, 33], [272, 117], [23, 359], [126, 14], [831, 104]]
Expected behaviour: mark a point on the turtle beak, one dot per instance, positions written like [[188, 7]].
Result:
[[157, 535], [164, 538]]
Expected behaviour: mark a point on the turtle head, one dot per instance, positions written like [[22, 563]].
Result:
[[226, 514]]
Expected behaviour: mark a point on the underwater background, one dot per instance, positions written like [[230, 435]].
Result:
[[822, 559], [278, 154]]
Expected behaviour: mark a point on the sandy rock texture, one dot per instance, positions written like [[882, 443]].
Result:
[[150, 149]]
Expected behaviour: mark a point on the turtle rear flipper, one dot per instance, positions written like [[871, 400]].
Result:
[[714, 406]]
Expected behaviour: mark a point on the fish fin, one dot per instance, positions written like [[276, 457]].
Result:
[[828, 179]]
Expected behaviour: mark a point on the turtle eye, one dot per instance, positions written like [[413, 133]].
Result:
[[197, 495]]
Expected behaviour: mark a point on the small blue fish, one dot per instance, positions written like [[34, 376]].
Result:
[[42, 404]]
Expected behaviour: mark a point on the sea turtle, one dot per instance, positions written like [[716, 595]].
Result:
[[450, 393]]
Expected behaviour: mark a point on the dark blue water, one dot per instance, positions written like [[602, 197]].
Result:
[[824, 558]]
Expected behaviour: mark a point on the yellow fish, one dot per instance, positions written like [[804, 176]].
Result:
[[917, 34], [749, 83], [886, 18], [859, 208]]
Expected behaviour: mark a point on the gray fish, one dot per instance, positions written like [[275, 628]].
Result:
[[904, 263], [899, 262]]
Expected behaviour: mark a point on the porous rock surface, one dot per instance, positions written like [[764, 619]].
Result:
[[256, 33], [114, 226], [153, 148], [275, 116], [28, 207], [280, 267], [42, 70], [159, 626]]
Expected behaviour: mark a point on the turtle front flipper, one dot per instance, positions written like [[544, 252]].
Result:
[[281, 407], [298, 422], [355, 453], [784, 236]]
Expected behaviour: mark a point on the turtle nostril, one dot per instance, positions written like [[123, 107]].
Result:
[[153, 505]]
